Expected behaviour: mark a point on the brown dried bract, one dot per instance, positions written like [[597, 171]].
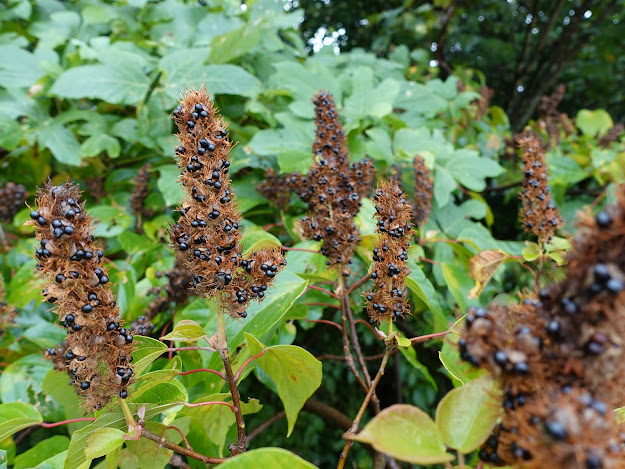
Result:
[[551, 119], [539, 215], [422, 203], [208, 235], [612, 135], [277, 188], [98, 347], [333, 188], [8, 314], [12, 197], [388, 299]]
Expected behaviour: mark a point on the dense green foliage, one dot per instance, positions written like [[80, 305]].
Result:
[[86, 93]]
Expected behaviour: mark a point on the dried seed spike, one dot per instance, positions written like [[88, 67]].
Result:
[[333, 188], [422, 203], [77, 285], [277, 188], [390, 256], [12, 197], [140, 192], [539, 215], [8, 314], [207, 235]]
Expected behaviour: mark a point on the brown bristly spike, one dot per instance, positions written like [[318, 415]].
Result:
[[333, 188], [388, 298], [140, 192], [612, 135], [8, 314], [277, 188], [12, 197], [550, 118], [539, 215], [98, 350], [422, 203], [568, 342], [207, 235]]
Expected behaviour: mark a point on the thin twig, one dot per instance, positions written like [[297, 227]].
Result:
[[247, 362], [359, 282], [425, 338], [186, 442], [390, 345], [366, 323], [215, 372], [200, 404], [328, 305], [161, 441], [347, 351]]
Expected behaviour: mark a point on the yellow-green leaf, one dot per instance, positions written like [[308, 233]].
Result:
[[186, 331]]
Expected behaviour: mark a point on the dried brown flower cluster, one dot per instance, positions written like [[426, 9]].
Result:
[[207, 235], [277, 188], [12, 197], [333, 188], [98, 350], [176, 291], [612, 135], [140, 192], [390, 255], [551, 120], [95, 186], [486, 94], [422, 204], [560, 358], [539, 215], [8, 314]]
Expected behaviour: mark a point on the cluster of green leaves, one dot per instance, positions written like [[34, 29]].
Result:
[[86, 90]]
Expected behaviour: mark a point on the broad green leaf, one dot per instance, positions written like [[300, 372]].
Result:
[[471, 170], [304, 81], [406, 433], [100, 143], [167, 183], [459, 371], [60, 141], [295, 372], [22, 379], [531, 251], [419, 285], [256, 240], [42, 451], [16, 416], [102, 441], [185, 68], [379, 147], [186, 331], [274, 458], [444, 185], [121, 83], [151, 455], [110, 221], [465, 417], [593, 123], [459, 284], [235, 43], [18, 67], [147, 350]]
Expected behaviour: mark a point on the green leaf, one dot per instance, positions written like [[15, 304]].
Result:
[[185, 68], [110, 221], [466, 416], [295, 372], [471, 170], [443, 187], [235, 43], [419, 285], [379, 147], [410, 354], [186, 331], [118, 83], [167, 183], [60, 141], [151, 455], [16, 416], [18, 67], [102, 441], [42, 451], [101, 143], [256, 240], [368, 100], [531, 251], [593, 123], [267, 458], [459, 283], [406, 433], [147, 350], [22, 379]]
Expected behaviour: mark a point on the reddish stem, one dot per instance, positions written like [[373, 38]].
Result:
[[425, 259], [221, 375], [325, 321], [323, 290], [63, 422], [247, 362], [178, 349], [366, 323], [181, 434], [425, 338], [358, 283]]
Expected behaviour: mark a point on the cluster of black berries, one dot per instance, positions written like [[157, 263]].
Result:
[[390, 256], [12, 197], [207, 235], [71, 265], [559, 357]]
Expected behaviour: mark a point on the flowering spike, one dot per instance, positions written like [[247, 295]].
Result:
[[140, 192], [539, 215], [390, 255], [207, 235], [12, 197], [97, 350]]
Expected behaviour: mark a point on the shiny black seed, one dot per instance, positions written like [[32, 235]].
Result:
[[58, 232], [85, 385], [86, 309], [614, 285], [500, 358], [34, 215], [56, 224], [68, 230], [603, 219], [59, 278], [601, 272], [69, 318], [77, 327], [556, 430], [123, 394], [104, 279], [41, 221]]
